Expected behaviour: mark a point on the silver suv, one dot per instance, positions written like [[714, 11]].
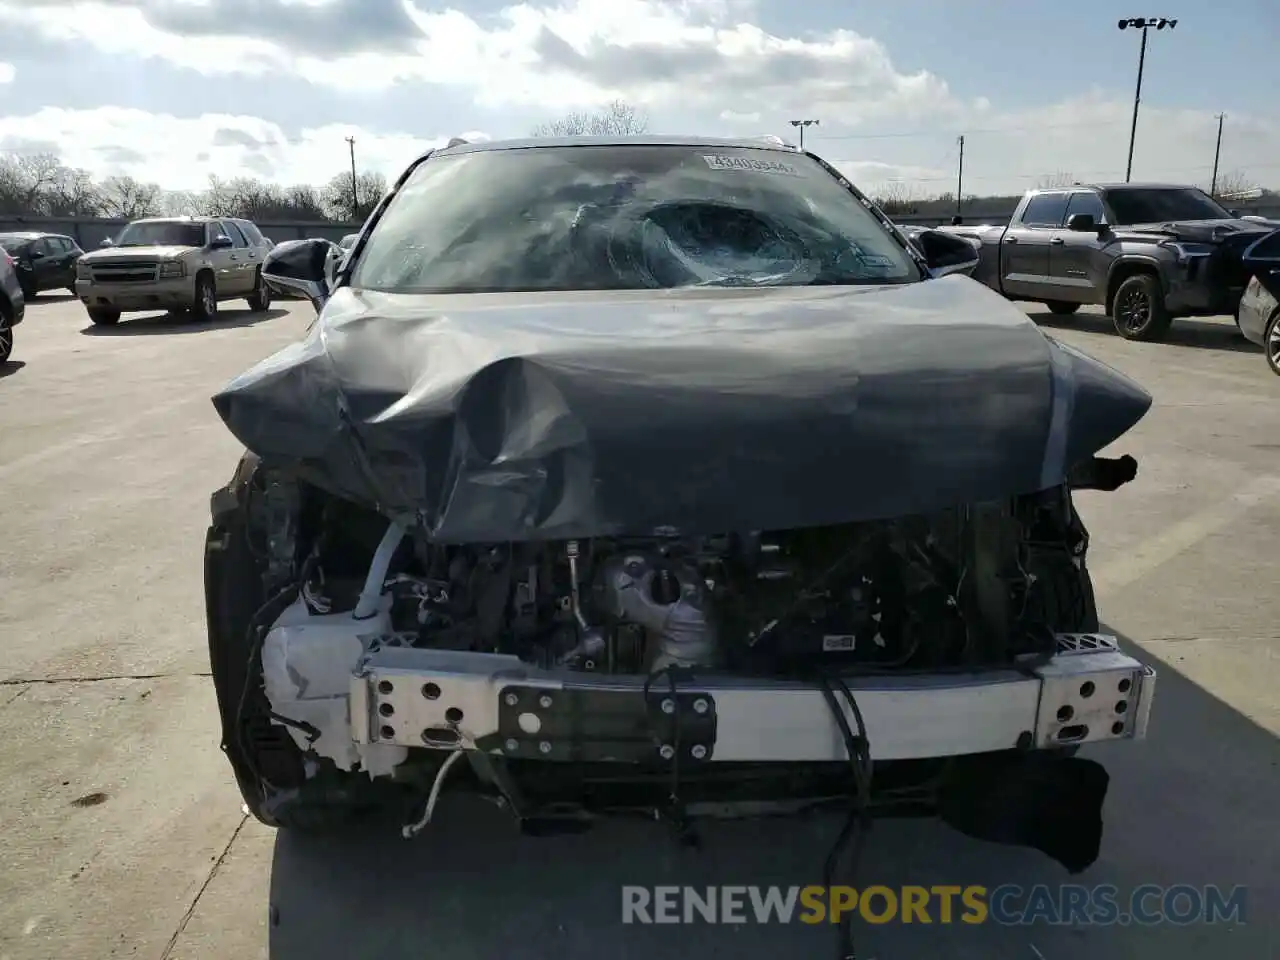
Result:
[[175, 264]]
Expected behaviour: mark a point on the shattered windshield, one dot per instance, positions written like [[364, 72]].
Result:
[[1147, 205], [162, 233], [625, 217]]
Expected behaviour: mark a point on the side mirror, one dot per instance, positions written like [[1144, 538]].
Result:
[[107, 243], [220, 242], [947, 253], [300, 268], [1082, 223]]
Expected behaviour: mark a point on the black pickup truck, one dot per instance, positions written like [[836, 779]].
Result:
[[1148, 253]]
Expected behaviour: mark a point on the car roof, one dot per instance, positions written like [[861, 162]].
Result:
[[182, 219], [1115, 186], [648, 140], [32, 234]]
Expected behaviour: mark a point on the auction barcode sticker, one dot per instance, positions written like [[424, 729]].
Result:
[[720, 162]]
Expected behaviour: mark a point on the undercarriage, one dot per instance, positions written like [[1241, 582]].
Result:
[[956, 655]]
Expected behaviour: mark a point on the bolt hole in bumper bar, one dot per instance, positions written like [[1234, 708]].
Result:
[[1089, 692]]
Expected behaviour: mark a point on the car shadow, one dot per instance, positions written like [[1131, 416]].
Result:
[[1185, 332], [167, 324], [1190, 805], [10, 367]]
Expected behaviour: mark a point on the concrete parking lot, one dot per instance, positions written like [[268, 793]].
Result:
[[123, 833]]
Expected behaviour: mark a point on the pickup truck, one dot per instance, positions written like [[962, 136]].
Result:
[[1148, 253]]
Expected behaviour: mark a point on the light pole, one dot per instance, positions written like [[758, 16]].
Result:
[[1144, 24], [801, 124]]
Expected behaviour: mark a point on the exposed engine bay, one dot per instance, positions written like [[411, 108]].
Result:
[[744, 674], [962, 588]]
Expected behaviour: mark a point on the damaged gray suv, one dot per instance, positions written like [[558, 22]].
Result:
[[665, 476]]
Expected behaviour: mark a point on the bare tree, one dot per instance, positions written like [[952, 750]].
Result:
[[336, 195], [179, 203], [130, 199], [618, 119], [897, 198], [1231, 182], [25, 182], [304, 202], [1055, 180], [73, 193]]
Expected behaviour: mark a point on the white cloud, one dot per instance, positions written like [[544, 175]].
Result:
[[694, 65], [7, 72], [181, 153]]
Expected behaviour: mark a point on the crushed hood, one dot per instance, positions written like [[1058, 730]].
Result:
[[1200, 231], [548, 416]]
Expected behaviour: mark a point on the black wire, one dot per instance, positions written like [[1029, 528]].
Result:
[[853, 833], [255, 635]]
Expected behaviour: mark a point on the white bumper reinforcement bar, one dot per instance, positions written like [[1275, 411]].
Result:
[[1088, 693]]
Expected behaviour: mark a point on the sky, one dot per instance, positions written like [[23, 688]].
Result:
[[172, 91]]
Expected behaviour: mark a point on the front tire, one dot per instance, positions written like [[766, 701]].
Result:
[[1062, 308], [204, 306], [104, 316], [6, 334], [1138, 309]]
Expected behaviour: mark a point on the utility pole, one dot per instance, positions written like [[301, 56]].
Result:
[[1217, 152], [801, 124], [355, 187], [960, 177], [1143, 24]]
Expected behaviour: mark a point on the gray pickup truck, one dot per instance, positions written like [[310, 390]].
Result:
[[1148, 253]]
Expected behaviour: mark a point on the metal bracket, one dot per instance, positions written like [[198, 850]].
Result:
[[605, 725]]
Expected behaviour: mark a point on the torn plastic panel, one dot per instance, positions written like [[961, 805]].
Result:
[[552, 416]]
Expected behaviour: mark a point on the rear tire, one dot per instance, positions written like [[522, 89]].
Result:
[[1062, 308], [1138, 309], [1271, 343], [104, 316]]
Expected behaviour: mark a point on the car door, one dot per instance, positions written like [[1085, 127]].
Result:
[[71, 254], [1073, 254], [242, 263], [46, 263], [257, 246], [220, 258], [1024, 255]]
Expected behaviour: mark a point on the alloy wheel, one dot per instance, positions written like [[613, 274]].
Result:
[[1273, 345], [1135, 310], [6, 339]]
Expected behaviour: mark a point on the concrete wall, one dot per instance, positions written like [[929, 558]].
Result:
[[90, 233]]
